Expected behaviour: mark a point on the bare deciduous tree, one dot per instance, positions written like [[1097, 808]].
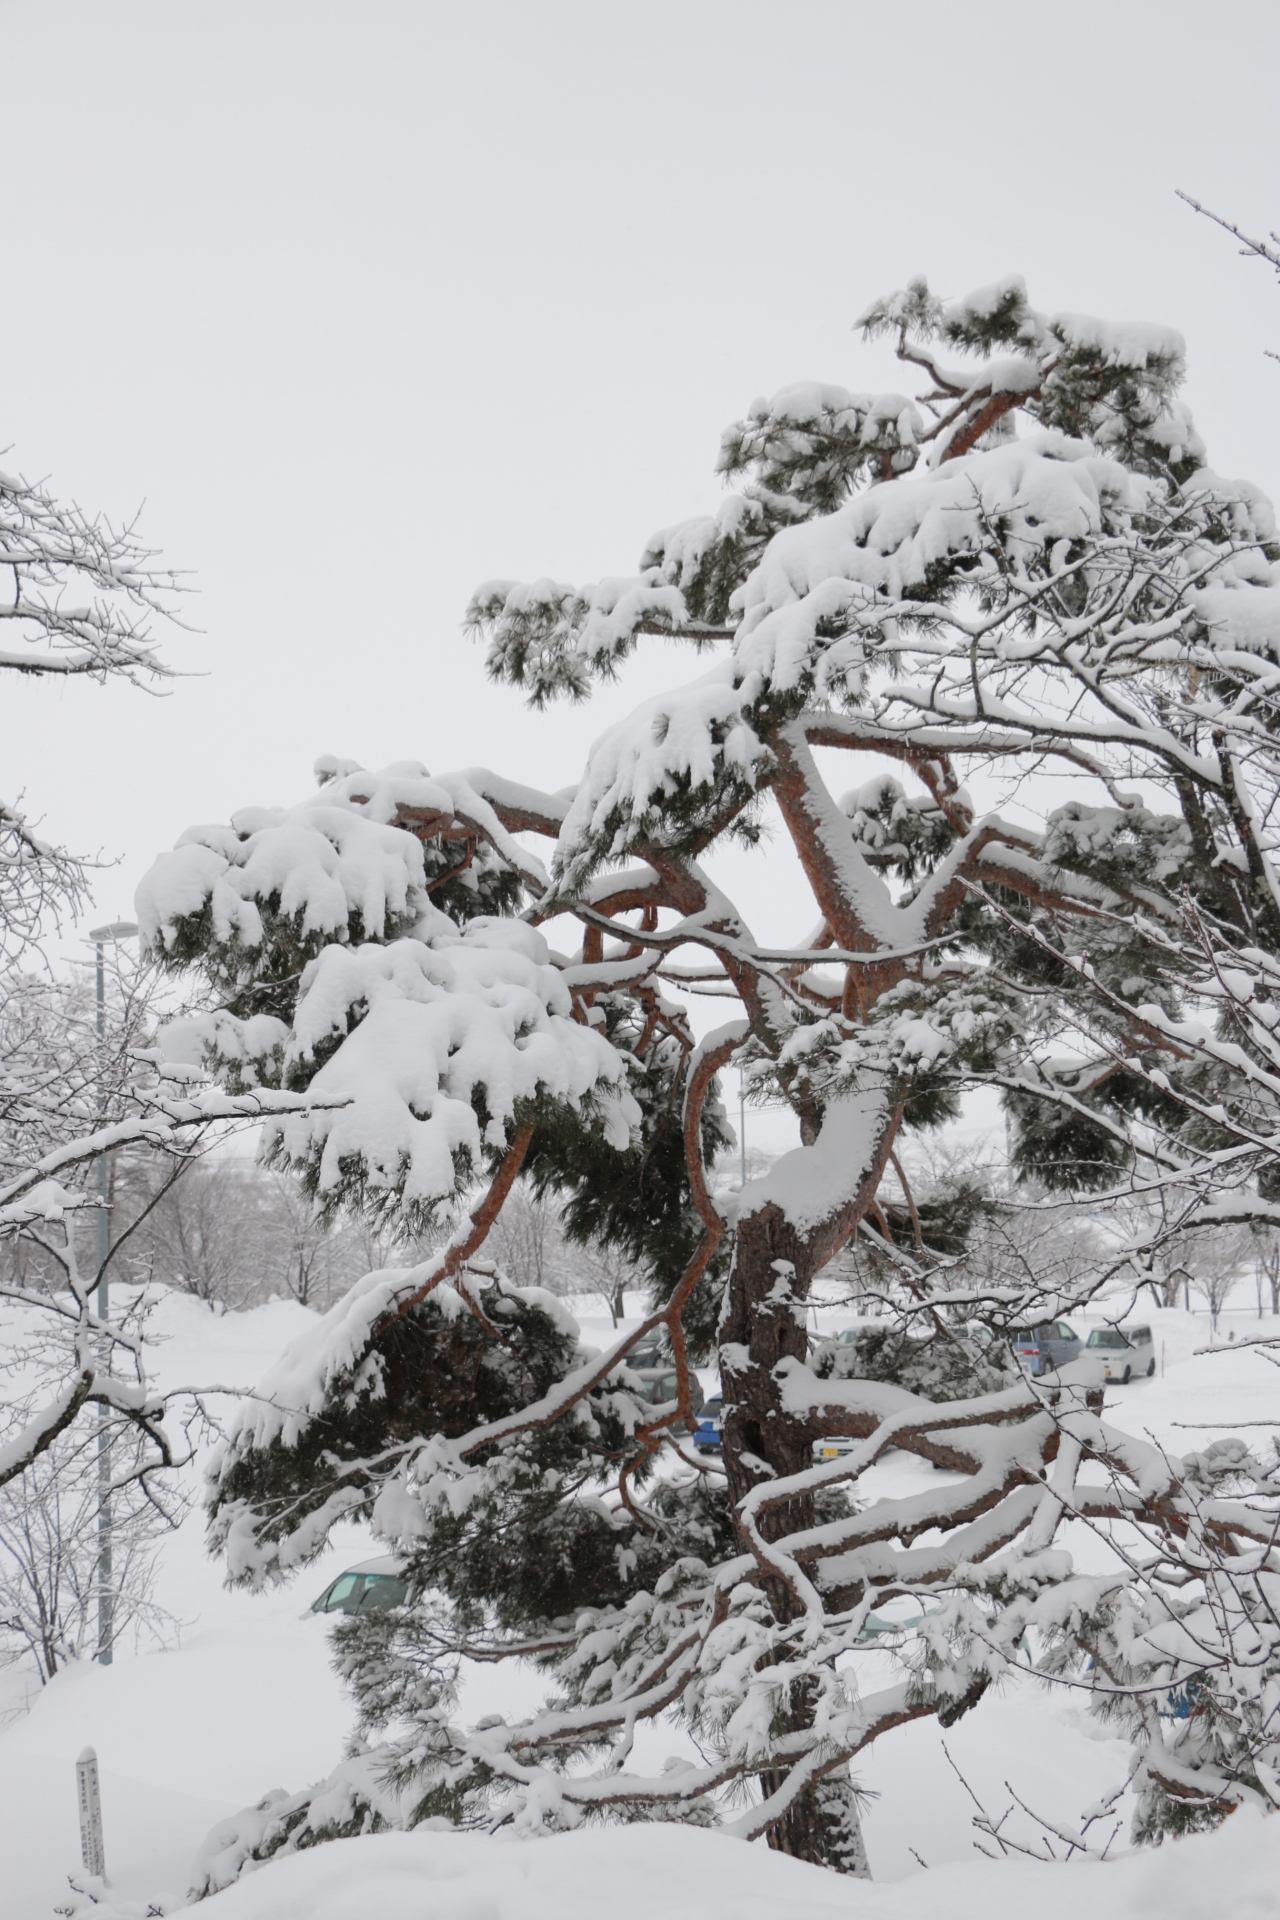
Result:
[[606, 1272], [69, 1100], [527, 1243], [205, 1234], [233, 1233], [84, 594], [50, 1572]]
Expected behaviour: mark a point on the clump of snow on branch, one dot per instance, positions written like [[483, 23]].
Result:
[[808, 1183], [435, 1026]]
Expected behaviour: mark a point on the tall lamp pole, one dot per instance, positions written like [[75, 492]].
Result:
[[118, 930]]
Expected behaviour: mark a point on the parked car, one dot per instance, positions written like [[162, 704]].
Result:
[[661, 1384], [1182, 1703], [1046, 1347], [707, 1435], [374, 1583], [878, 1628], [659, 1381], [1123, 1352]]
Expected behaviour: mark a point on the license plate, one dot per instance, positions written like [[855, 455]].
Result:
[[831, 1453]]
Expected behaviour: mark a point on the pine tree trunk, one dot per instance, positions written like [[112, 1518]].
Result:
[[823, 1826], [771, 1275], [765, 1323]]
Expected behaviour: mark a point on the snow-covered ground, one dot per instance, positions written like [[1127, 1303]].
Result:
[[247, 1702], [630, 1872]]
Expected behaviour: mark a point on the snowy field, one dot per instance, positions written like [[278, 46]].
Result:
[[247, 1702]]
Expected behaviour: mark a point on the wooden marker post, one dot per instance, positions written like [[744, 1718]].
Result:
[[89, 1797]]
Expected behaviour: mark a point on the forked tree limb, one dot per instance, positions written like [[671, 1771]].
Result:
[[482, 1218]]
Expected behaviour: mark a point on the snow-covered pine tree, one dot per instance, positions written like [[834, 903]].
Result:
[[952, 585], [1137, 639]]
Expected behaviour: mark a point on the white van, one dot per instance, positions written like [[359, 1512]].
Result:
[[1123, 1352]]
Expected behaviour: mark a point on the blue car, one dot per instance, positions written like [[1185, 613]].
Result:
[[1044, 1348], [706, 1435]]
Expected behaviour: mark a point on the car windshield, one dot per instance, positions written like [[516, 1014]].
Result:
[[342, 1589], [383, 1590], [1107, 1337], [711, 1408], [1028, 1336], [659, 1390], [353, 1591]]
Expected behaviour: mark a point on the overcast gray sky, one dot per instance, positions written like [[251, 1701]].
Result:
[[372, 302]]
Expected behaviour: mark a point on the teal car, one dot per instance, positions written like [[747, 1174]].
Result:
[[374, 1583]]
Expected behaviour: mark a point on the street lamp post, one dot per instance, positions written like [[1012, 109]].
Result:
[[118, 930]]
